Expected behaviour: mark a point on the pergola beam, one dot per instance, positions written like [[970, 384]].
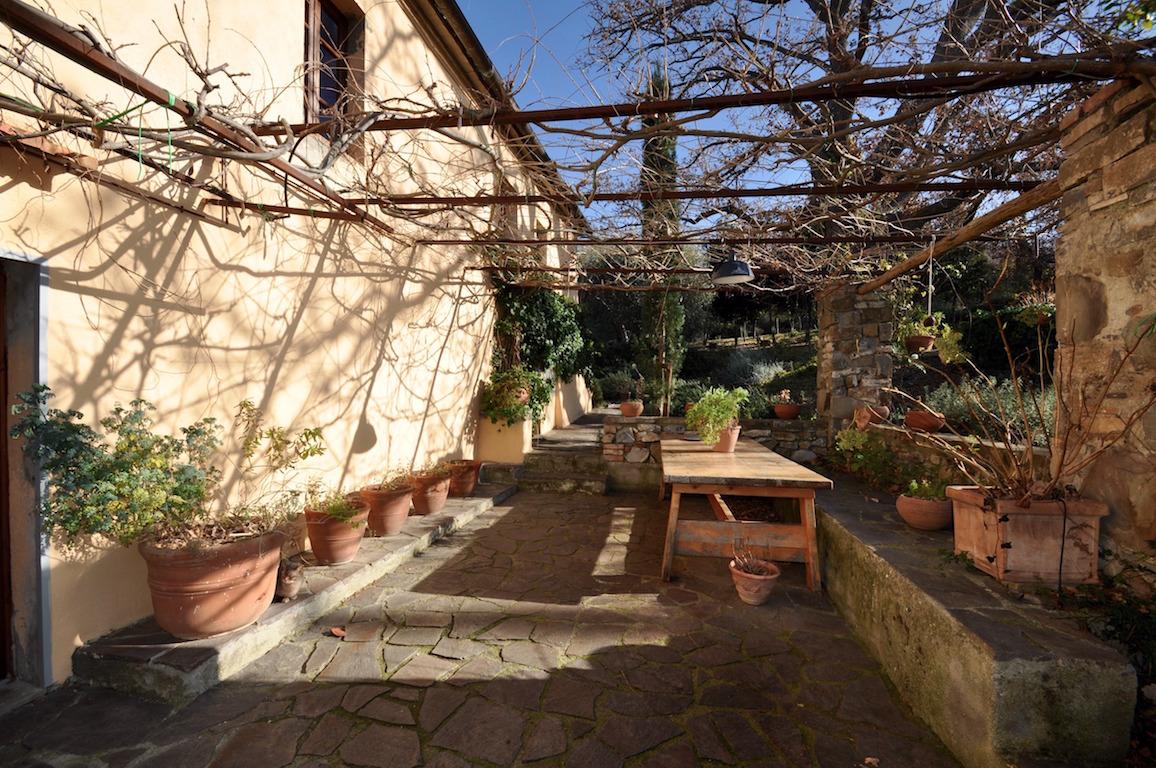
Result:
[[787, 190], [938, 80], [733, 239], [1041, 195]]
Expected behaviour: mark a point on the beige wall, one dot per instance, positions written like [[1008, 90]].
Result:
[[381, 342]]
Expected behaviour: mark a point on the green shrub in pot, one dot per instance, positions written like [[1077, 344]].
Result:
[[717, 409]]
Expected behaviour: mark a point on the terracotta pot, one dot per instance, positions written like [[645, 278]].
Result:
[[388, 508], [919, 343], [923, 420], [213, 589], [871, 414], [924, 514], [430, 494], [727, 439], [1023, 544], [336, 541], [522, 395], [294, 529], [631, 408], [787, 410], [752, 589], [464, 477]]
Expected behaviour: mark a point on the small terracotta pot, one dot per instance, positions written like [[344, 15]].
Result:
[[919, 343], [787, 410], [631, 408], [727, 439], [871, 414], [753, 589], [430, 494], [213, 589], [464, 477], [336, 541], [522, 395], [388, 508], [924, 514], [923, 421]]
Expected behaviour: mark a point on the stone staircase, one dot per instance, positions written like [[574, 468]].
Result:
[[567, 460]]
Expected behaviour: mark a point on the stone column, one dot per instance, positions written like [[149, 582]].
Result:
[[855, 362], [1105, 298]]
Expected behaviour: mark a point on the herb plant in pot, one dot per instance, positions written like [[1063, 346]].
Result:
[[924, 505], [754, 578], [463, 476], [431, 488], [716, 417], [212, 568], [515, 394], [785, 407], [633, 406], [918, 331], [389, 502], [336, 523]]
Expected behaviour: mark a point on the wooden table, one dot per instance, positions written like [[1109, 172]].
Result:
[[752, 470]]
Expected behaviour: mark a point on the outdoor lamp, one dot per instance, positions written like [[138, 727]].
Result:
[[732, 272]]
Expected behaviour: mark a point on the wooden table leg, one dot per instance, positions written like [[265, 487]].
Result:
[[661, 490], [671, 527], [807, 517]]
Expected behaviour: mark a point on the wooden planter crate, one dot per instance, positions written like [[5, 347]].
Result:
[[1023, 544]]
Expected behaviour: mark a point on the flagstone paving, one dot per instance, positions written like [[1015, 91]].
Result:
[[539, 635]]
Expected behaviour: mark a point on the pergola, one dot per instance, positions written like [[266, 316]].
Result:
[[945, 80]]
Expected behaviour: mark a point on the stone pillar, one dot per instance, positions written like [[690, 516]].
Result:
[[855, 362], [1105, 297]]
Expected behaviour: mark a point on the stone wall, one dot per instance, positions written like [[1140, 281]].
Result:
[[1105, 296], [855, 362], [631, 450], [909, 451]]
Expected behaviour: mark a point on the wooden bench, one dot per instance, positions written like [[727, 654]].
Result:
[[752, 470]]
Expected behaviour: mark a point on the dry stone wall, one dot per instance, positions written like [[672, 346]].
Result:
[[1105, 296], [635, 440], [855, 354]]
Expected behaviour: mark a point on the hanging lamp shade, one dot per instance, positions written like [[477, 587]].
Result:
[[732, 272]]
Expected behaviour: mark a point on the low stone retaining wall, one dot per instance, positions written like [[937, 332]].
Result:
[[910, 449], [633, 461], [1000, 681]]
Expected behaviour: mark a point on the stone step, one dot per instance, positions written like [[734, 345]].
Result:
[[494, 473], [563, 482], [580, 463], [144, 660]]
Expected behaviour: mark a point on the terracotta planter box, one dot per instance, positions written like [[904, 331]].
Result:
[[1022, 544]]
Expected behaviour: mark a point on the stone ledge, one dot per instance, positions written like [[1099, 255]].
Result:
[[999, 681], [144, 660]]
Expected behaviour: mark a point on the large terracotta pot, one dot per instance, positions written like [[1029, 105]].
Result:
[[727, 439], [924, 514], [464, 477], [919, 343], [923, 420], [787, 410], [388, 508], [212, 589], [754, 589], [1023, 544], [333, 540], [429, 495], [631, 408]]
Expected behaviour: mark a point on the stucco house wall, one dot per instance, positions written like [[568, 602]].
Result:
[[380, 340]]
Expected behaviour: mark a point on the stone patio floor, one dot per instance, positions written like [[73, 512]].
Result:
[[541, 635]]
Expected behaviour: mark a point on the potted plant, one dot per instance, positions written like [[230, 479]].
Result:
[[633, 406], [754, 578], [463, 476], [431, 488], [389, 502], [212, 567], [1022, 518], [1035, 307], [870, 413], [515, 394], [785, 407], [336, 523], [918, 331], [924, 505], [716, 417]]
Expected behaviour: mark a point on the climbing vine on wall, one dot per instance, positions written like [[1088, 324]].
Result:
[[538, 329]]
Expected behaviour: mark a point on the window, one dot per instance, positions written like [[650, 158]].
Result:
[[333, 57]]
